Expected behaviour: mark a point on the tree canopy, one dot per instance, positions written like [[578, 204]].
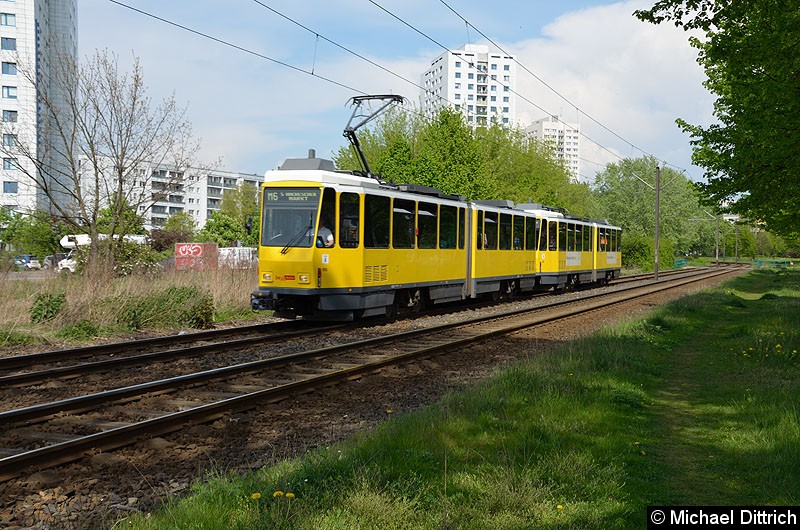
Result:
[[101, 146], [625, 194], [751, 57], [242, 205], [447, 154], [223, 230]]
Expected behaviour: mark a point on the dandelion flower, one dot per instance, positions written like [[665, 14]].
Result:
[[635, 443], [278, 493], [388, 411], [290, 495], [560, 507], [255, 496], [642, 453]]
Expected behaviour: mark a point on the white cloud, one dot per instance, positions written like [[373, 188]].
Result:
[[632, 77]]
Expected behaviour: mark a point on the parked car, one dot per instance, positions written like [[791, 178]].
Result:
[[52, 261], [27, 262], [68, 264]]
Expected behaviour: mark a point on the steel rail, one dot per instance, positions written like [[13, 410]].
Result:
[[39, 376], [132, 360], [17, 361], [47, 410]]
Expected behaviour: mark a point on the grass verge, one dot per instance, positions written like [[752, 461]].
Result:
[[76, 308], [693, 405]]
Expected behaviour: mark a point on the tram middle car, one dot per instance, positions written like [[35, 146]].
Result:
[[341, 246]]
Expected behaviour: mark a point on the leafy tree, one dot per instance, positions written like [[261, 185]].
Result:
[[389, 146], [448, 158], [242, 205], [99, 141], [625, 194], [223, 230], [37, 234], [120, 218], [178, 228], [749, 53], [739, 240], [6, 227], [525, 170], [445, 153]]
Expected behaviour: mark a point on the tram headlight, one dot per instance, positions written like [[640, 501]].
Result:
[[303, 278], [267, 277]]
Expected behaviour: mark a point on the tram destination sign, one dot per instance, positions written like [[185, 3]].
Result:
[[291, 196]]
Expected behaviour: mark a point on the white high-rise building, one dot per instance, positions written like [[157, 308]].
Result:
[[196, 192], [563, 137], [480, 83], [34, 35]]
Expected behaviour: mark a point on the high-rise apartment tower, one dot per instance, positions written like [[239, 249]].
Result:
[[480, 83], [34, 36], [563, 137]]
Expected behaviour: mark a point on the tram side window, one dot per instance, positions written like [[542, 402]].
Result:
[[490, 231], [543, 236], [481, 234], [587, 240], [376, 221], [519, 232], [579, 237], [462, 227], [403, 223], [531, 231], [327, 216], [427, 222], [619, 241], [448, 226], [349, 219], [562, 236], [570, 236], [505, 231]]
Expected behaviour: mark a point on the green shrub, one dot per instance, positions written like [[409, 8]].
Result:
[[82, 330], [170, 307], [46, 306], [15, 338], [135, 259], [638, 252]]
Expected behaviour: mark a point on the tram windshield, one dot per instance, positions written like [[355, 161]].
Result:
[[288, 218]]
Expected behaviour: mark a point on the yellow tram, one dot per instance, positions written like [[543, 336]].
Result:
[[339, 245]]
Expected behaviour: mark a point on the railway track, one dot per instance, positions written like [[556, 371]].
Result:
[[52, 433], [39, 368]]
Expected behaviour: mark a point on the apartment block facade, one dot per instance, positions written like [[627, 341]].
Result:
[[196, 192], [563, 137], [475, 81], [34, 35]]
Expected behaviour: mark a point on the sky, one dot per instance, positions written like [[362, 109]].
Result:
[[283, 89]]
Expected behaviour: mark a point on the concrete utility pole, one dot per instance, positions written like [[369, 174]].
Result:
[[658, 216]]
